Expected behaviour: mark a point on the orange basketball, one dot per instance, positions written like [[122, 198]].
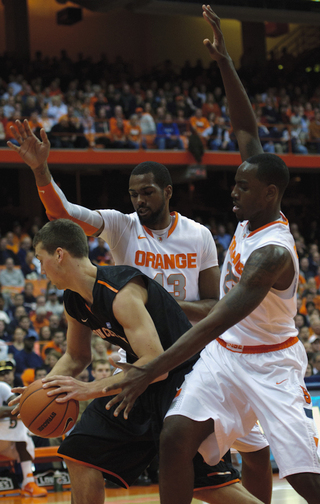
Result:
[[43, 416]]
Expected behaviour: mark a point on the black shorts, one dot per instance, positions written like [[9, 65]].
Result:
[[122, 449]]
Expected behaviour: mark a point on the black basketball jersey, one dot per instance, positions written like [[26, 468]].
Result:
[[167, 316]]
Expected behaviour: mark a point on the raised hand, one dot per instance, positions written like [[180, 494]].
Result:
[[33, 151], [217, 48]]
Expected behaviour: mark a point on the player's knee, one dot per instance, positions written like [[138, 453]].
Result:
[[175, 438]]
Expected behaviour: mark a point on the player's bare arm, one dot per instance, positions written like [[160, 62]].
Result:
[[34, 153], [241, 112], [267, 267], [209, 295], [130, 311]]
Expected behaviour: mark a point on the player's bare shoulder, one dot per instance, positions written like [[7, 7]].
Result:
[[271, 264]]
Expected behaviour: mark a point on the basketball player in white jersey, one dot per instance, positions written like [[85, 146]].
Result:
[[15, 441], [253, 366], [177, 252]]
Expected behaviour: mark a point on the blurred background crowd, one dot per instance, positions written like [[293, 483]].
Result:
[[82, 104]]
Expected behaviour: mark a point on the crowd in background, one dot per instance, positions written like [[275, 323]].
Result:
[[101, 105]]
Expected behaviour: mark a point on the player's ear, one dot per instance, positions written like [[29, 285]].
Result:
[[59, 254], [168, 192], [272, 192]]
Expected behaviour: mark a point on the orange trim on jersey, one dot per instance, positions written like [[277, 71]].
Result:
[[95, 467], [316, 440], [87, 306], [107, 285], [255, 349], [55, 209], [174, 225], [147, 230], [285, 223], [231, 482]]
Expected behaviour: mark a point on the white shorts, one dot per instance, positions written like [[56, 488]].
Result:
[[12, 429], [236, 389]]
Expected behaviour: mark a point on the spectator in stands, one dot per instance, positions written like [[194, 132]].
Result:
[[25, 323], [101, 368], [118, 134], [222, 236], [17, 341], [315, 342], [135, 139], [40, 372], [199, 123], [24, 246], [19, 312], [219, 137], [305, 270], [57, 109], [39, 318], [52, 357], [45, 333], [54, 323], [314, 132], [168, 134], [11, 276], [298, 136], [99, 348], [29, 268], [6, 253], [53, 305], [55, 343], [146, 121], [27, 357], [8, 373], [15, 301], [102, 130], [101, 254]]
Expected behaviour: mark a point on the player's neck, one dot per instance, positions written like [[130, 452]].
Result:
[[263, 220], [84, 277], [164, 223]]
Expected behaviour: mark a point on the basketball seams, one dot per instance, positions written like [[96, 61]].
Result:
[[30, 394], [62, 420], [38, 414]]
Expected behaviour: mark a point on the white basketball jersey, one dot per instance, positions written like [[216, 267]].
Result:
[[12, 429], [272, 321], [173, 257]]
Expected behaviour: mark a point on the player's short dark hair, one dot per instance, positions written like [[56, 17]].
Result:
[[160, 172], [271, 170], [65, 234]]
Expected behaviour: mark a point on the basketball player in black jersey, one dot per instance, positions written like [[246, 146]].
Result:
[[122, 305]]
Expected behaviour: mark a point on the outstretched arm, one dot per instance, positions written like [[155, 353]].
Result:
[[241, 112], [35, 153]]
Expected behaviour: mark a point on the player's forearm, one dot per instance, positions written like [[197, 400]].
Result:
[[57, 206], [69, 366], [42, 174], [241, 112], [197, 310]]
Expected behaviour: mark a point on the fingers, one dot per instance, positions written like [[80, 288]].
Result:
[[13, 147], [124, 405], [44, 136]]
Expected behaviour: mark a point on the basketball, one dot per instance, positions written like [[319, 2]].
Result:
[[43, 416]]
